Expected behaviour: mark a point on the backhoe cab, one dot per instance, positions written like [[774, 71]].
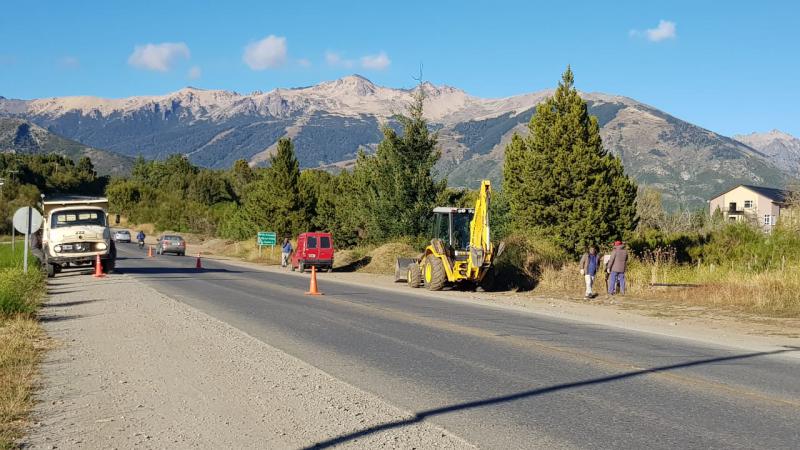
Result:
[[460, 252]]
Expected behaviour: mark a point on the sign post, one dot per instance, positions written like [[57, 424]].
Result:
[[27, 220], [265, 238]]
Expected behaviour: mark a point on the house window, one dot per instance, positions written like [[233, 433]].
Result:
[[748, 204], [767, 219]]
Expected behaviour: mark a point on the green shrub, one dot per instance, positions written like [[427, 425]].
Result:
[[522, 262], [747, 247], [20, 293]]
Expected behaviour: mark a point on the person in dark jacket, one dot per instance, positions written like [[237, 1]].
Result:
[[617, 265], [590, 261]]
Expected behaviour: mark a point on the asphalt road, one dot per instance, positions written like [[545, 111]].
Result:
[[497, 377]]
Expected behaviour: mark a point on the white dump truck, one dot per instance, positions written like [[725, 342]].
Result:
[[75, 231]]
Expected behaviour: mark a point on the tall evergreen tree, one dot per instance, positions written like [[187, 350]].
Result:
[[274, 202], [561, 182], [400, 190]]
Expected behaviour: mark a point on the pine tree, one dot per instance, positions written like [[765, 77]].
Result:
[[561, 182], [398, 181], [274, 203]]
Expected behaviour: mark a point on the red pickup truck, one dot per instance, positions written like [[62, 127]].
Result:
[[313, 249]]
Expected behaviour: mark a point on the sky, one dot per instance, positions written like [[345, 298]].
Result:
[[732, 67]]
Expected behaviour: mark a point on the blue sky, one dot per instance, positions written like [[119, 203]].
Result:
[[732, 67]]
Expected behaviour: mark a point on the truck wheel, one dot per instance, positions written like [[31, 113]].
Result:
[[435, 277], [108, 265], [50, 269], [414, 276]]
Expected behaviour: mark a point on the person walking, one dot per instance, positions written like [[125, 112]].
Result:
[[617, 265], [589, 264], [286, 250]]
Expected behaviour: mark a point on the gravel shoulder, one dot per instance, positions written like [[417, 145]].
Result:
[[133, 368]]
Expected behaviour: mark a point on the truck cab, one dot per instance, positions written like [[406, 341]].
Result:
[[313, 249], [75, 232]]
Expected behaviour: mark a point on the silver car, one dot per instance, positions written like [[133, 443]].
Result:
[[122, 236], [171, 244]]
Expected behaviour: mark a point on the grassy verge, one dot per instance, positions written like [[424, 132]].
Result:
[[773, 293], [773, 290], [20, 341]]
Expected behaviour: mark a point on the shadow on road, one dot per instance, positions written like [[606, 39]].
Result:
[[72, 303], [52, 318], [422, 415], [169, 270]]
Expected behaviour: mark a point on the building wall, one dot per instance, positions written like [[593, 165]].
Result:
[[750, 206]]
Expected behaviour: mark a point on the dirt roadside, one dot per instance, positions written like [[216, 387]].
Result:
[[694, 323], [143, 370]]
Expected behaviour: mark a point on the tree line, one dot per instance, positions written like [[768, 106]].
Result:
[[26, 177], [559, 183]]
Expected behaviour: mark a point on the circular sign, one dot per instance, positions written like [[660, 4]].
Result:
[[21, 219]]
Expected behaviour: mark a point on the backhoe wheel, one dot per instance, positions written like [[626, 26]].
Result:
[[414, 275], [435, 277]]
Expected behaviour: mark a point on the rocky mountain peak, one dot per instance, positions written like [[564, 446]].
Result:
[[350, 84]]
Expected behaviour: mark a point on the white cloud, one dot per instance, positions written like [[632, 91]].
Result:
[[158, 57], [665, 30], [376, 62], [335, 59], [267, 53], [69, 62], [304, 63], [195, 72]]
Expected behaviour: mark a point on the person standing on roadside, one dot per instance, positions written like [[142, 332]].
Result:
[[589, 264], [606, 272], [286, 250], [616, 267]]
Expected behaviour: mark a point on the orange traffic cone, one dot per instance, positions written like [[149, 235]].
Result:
[[313, 289], [98, 268], [198, 265], [150, 251]]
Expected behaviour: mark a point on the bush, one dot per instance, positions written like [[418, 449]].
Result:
[[524, 260], [687, 247], [20, 293]]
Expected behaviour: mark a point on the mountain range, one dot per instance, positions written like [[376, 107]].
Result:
[[330, 121], [781, 148], [21, 136]]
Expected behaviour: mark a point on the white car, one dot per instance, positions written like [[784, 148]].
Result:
[[122, 236]]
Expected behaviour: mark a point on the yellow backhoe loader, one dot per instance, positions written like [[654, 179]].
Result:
[[461, 251]]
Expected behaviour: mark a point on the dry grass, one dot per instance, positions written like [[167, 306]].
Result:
[[20, 341], [773, 293], [382, 259], [21, 346]]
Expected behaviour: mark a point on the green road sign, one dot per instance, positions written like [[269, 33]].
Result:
[[267, 238]]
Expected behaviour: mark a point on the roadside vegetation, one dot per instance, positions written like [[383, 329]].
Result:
[[562, 191], [20, 340]]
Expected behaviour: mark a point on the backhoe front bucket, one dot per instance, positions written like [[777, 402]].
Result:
[[401, 268]]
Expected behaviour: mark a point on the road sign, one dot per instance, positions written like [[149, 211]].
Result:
[[267, 238], [27, 220], [21, 220]]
